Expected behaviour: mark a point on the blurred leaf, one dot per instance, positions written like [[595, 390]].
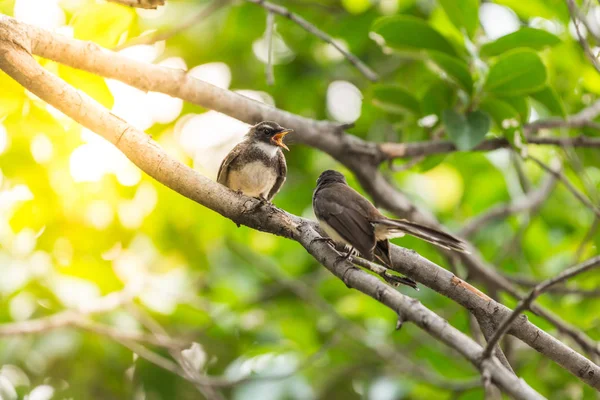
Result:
[[404, 33], [437, 98], [549, 99], [464, 14], [356, 6], [395, 99], [103, 23], [520, 104], [457, 69], [518, 72], [468, 131], [501, 112], [548, 9], [535, 39], [12, 96]]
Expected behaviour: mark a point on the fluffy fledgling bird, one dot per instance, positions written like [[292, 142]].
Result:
[[349, 218], [256, 167]]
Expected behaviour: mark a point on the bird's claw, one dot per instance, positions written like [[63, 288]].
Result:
[[327, 240]]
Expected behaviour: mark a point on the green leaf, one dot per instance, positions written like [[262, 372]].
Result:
[[437, 98], [516, 73], [404, 33], [13, 95], [532, 38], [549, 99], [503, 114], [464, 14], [548, 9], [520, 104], [468, 131], [457, 69], [102, 23], [395, 99]]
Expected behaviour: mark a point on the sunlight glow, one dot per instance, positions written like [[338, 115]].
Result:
[[99, 214], [41, 148], [45, 14], [498, 20], [326, 51], [344, 101], [441, 188], [3, 139], [98, 157], [75, 292], [215, 73], [281, 53]]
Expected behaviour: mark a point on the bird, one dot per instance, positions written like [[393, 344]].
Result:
[[256, 167], [350, 219]]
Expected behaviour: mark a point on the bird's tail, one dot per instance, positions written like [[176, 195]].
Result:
[[391, 228]]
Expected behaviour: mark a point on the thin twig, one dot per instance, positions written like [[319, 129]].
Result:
[[269, 38], [589, 236], [158, 36], [574, 10], [529, 201], [562, 290], [539, 289], [560, 176], [307, 26], [392, 150], [148, 4]]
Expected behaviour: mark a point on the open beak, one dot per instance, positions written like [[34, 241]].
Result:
[[278, 138]]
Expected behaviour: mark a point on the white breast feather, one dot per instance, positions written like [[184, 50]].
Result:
[[266, 148]]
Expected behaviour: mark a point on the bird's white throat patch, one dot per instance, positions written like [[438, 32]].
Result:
[[267, 148]]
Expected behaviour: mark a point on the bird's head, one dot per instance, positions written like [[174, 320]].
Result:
[[269, 132], [330, 176]]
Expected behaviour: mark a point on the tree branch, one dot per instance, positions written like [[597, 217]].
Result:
[[310, 28], [148, 4], [534, 294], [560, 176], [158, 36], [527, 202], [391, 151]]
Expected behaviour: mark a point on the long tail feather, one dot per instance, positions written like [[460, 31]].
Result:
[[395, 227]]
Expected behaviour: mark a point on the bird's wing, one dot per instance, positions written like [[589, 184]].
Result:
[[281, 174], [346, 217], [223, 173]]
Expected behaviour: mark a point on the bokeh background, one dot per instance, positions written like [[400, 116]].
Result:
[[79, 221]]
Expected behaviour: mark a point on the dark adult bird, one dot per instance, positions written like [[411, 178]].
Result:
[[256, 167], [349, 218]]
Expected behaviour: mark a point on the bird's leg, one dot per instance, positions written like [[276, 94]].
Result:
[[264, 200], [342, 258], [328, 240]]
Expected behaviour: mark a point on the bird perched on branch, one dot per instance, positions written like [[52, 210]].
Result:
[[350, 219], [256, 167]]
